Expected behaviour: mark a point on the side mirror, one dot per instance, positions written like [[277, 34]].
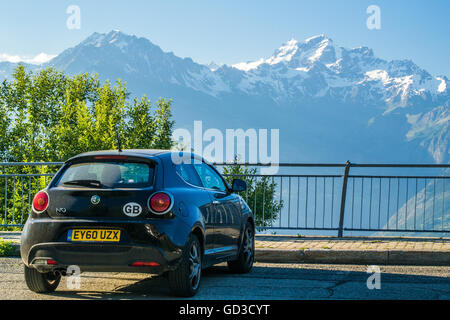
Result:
[[239, 185]]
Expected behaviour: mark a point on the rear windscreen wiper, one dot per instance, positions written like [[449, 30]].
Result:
[[85, 183]]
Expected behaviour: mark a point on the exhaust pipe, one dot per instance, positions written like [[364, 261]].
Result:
[[60, 273]]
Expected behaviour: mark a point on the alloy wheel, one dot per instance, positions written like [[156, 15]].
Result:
[[194, 266], [248, 246]]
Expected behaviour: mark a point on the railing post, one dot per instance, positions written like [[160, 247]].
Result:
[[343, 197]]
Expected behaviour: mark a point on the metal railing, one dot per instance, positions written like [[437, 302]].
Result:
[[324, 198], [386, 202], [19, 182]]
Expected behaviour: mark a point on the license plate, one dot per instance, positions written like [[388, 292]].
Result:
[[96, 235]]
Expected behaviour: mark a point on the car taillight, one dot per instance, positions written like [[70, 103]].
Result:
[[51, 262], [43, 261], [145, 264], [160, 202], [40, 201]]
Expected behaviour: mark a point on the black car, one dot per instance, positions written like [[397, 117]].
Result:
[[137, 211]]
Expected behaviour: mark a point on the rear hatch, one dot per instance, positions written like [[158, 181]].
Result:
[[108, 188]]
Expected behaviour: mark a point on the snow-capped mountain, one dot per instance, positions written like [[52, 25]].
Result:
[[318, 68], [213, 66], [330, 103], [116, 55]]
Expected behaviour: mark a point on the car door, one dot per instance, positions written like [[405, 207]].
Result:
[[227, 213], [187, 172]]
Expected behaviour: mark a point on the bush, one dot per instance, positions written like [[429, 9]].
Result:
[[6, 248], [49, 116], [260, 194]]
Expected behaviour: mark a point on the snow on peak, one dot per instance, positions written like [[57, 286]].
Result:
[[285, 53], [37, 60], [114, 37], [300, 54], [318, 51], [442, 85], [114, 34], [41, 58], [213, 66], [318, 38], [247, 66], [315, 67], [319, 64], [378, 75]]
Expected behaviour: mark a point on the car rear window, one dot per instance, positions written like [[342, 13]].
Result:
[[107, 174]]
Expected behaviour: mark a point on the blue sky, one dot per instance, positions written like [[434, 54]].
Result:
[[234, 31]]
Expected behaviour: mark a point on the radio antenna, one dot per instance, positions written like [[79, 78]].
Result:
[[119, 144]]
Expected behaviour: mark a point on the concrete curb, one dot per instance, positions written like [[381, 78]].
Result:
[[326, 256], [380, 257]]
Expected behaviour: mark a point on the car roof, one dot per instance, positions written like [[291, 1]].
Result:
[[161, 153], [126, 152]]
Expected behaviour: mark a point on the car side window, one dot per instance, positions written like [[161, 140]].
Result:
[[188, 173], [210, 179]]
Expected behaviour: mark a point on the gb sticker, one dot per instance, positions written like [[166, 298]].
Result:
[[132, 209]]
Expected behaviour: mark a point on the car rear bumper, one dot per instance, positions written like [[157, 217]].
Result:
[[96, 257], [161, 242]]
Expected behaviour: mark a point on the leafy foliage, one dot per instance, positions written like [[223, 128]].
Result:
[[50, 116], [260, 193], [6, 248]]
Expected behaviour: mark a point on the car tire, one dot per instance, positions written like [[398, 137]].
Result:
[[41, 282], [185, 280], [244, 262]]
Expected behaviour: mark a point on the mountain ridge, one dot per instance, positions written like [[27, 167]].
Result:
[[340, 89]]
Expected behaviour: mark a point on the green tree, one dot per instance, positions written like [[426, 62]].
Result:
[[141, 127], [164, 125], [50, 116], [260, 193]]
